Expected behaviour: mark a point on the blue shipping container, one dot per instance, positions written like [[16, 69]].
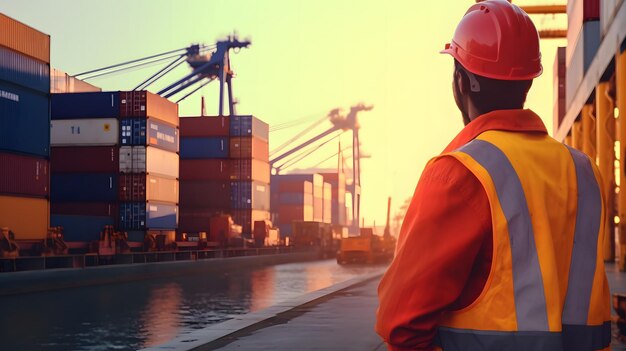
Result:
[[151, 215], [86, 105], [81, 228], [250, 195], [150, 132], [249, 126], [24, 120], [295, 199], [24, 71], [210, 147], [83, 187]]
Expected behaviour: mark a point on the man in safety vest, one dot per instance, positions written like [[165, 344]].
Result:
[[501, 245]]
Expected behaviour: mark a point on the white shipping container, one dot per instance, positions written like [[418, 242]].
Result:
[[85, 132], [607, 13], [582, 54], [142, 159]]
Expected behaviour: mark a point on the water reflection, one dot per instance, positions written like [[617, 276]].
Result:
[[160, 319], [146, 313]]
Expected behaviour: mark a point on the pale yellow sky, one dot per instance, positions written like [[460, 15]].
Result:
[[306, 59]]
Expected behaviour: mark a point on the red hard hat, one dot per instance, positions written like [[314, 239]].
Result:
[[497, 39]]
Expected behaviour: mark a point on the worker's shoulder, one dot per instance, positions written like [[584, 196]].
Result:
[[447, 169]]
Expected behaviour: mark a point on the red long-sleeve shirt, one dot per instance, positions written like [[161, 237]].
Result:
[[445, 245]]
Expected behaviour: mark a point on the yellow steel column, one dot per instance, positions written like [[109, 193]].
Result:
[[605, 141], [620, 93], [577, 135], [589, 131]]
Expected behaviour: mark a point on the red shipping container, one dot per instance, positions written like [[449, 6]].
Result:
[[205, 169], [250, 169], [84, 208], [142, 187], [295, 187], [204, 126], [249, 147], [24, 175], [132, 187], [289, 213], [591, 10], [204, 194], [85, 159], [146, 104]]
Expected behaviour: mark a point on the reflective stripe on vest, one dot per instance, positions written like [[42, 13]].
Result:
[[530, 299], [573, 338], [530, 303], [583, 263]]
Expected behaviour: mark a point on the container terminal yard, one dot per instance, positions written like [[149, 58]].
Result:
[[127, 224]]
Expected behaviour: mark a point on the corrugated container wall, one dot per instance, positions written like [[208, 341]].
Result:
[[141, 187], [250, 195], [22, 38], [86, 105], [151, 215], [203, 147], [250, 169], [148, 132], [249, 126], [89, 159], [249, 147], [147, 104], [204, 126], [61, 82], [26, 217], [24, 71], [85, 208], [78, 187], [25, 122], [22, 175], [150, 160], [205, 169], [205, 194], [84, 132]]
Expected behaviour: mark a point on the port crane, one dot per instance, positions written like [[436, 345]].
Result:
[[340, 124], [208, 63]]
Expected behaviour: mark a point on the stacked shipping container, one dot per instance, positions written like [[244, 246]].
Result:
[[224, 169], [114, 162], [24, 129], [583, 40], [297, 197]]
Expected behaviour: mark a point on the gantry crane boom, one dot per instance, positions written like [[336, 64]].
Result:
[[209, 63], [343, 124]]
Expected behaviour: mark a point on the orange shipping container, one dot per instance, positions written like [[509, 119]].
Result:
[[27, 217], [249, 147], [24, 39]]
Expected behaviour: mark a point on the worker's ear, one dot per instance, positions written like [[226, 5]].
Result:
[[461, 81]]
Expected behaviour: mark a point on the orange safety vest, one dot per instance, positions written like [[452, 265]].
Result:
[[547, 288]]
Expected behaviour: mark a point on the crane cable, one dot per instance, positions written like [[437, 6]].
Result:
[[108, 68], [297, 159], [298, 136]]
